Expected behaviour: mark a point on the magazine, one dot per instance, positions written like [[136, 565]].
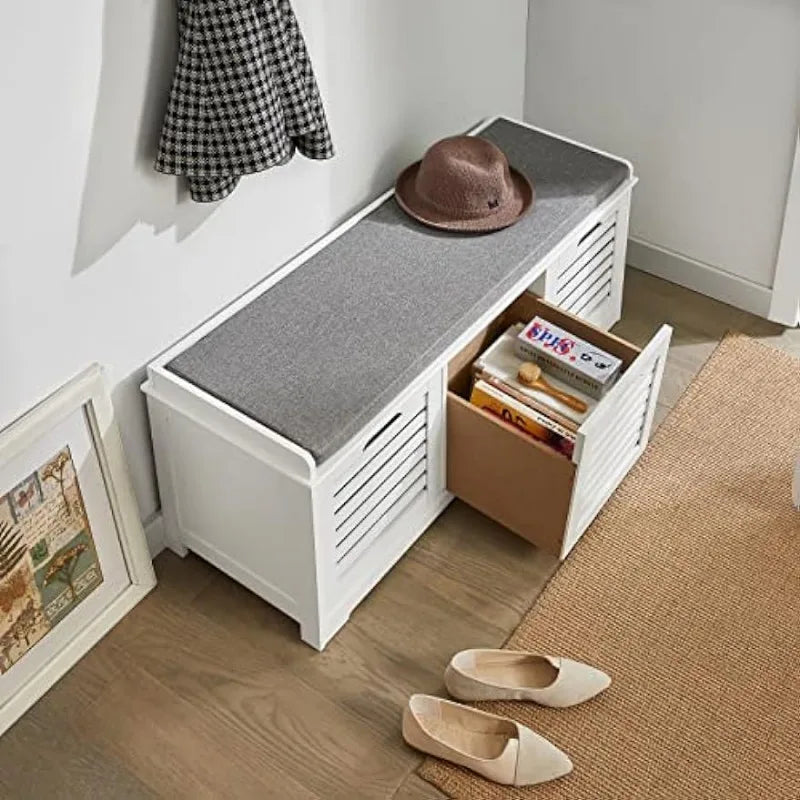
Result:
[[522, 416]]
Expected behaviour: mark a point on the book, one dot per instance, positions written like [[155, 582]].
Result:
[[521, 416], [502, 386], [501, 362], [575, 361]]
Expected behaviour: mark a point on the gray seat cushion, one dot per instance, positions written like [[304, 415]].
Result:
[[319, 354]]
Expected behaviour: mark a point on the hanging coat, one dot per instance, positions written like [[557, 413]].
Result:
[[243, 97]]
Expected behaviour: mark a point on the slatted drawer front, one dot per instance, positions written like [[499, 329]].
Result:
[[585, 276], [393, 474], [609, 455]]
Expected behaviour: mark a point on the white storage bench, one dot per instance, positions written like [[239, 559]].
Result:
[[309, 433]]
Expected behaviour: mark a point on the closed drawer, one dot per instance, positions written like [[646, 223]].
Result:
[[386, 472], [584, 276], [525, 485], [586, 279]]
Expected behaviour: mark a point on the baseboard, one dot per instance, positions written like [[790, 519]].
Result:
[[699, 277], [154, 532]]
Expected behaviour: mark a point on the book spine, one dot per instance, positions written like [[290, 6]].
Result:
[[574, 360], [528, 420], [527, 352], [532, 403]]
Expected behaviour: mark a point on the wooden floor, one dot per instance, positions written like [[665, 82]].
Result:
[[204, 691]]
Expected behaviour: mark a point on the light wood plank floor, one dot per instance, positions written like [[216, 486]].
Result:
[[204, 691]]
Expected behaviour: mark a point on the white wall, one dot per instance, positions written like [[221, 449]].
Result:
[[785, 301], [102, 259], [702, 95]]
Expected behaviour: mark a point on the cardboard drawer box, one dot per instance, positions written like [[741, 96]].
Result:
[[521, 483]]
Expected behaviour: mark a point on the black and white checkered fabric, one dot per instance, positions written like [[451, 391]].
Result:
[[243, 98]]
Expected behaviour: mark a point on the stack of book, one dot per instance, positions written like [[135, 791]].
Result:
[[568, 365]]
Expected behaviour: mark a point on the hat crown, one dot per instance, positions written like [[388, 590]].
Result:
[[465, 176]]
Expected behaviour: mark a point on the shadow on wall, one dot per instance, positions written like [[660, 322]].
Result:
[[122, 189], [385, 29], [130, 409]]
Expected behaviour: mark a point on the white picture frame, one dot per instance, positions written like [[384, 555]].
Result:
[[78, 420]]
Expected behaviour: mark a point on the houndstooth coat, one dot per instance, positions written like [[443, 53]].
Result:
[[243, 98]]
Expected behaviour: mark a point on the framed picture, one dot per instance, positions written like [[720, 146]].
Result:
[[73, 556]]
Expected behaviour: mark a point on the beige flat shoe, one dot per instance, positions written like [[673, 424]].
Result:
[[513, 675], [495, 747]]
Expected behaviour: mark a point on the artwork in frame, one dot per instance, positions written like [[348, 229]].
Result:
[[73, 555]]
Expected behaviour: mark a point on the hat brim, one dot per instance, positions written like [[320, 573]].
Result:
[[521, 200]]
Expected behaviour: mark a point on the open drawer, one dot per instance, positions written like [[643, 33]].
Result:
[[525, 485]]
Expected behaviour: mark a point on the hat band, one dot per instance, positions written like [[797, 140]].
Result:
[[459, 212]]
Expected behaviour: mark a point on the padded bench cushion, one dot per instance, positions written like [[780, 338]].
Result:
[[319, 354]]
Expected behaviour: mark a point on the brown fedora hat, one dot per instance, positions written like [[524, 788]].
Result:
[[464, 183]]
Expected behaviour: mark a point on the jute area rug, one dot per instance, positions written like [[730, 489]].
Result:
[[686, 590]]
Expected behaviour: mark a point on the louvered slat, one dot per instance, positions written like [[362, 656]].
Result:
[[397, 498], [595, 285], [625, 406], [345, 527], [615, 456], [380, 469], [360, 468], [389, 474], [593, 303], [585, 280], [604, 241], [613, 451]]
